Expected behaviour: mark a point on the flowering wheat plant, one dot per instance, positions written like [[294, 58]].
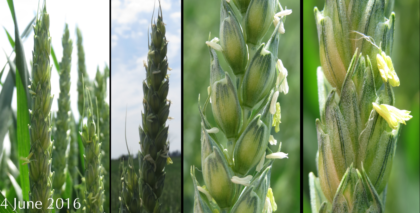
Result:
[[244, 107], [141, 190], [359, 125]]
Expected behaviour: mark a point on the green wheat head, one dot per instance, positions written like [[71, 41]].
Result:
[[94, 188], [83, 77], [141, 191], [63, 121], [40, 128]]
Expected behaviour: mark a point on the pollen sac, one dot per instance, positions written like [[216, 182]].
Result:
[[250, 146], [258, 19], [232, 40], [217, 175], [225, 106], [259, 78]]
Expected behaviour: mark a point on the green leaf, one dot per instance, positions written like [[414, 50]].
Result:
[[22, 135], [21, 66], [16, 187], [28, 29], [1, 73], [6, 95], [10, 38], [24, 35], [56, 64], [12, 9], [3, 203]]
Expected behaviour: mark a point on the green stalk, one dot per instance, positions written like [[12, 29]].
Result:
[[40, 129], [63, 121]]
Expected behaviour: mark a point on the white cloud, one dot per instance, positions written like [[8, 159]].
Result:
[[176, 15], [174, 48], [127, 11], [114, 40]]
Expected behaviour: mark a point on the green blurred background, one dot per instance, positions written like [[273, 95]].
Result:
[[403, 187], [200, 18]]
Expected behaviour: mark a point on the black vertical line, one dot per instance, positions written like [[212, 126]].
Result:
[[301, 106], [182, 105]]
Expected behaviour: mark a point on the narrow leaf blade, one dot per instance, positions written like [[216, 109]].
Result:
[[22, 135], [56, 64]]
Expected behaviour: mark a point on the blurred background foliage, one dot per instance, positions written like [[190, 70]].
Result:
[[403, 187], [200, 18]]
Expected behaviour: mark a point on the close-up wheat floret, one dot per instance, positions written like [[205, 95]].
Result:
[[359, 126], [62, 122], [40, 128], [244, 106]]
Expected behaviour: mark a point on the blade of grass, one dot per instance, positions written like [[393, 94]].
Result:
[[6, 95], [1, 74], [24, 35], [28, 29], [56, 64], [21, 65], [10, 38], [22, 131], [6, 206], [16, 187]]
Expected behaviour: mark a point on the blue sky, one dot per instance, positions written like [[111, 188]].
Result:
[[129, 25]]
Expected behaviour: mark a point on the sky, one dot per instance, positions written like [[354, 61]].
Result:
[[94, 27], [130, 21]]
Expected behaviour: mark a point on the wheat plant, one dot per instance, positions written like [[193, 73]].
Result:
[[141, 191], [83, 77], [359, 125], [102, 115], [62, 123], [94, 194], [244, 106], [40, 175], [43, 166]]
